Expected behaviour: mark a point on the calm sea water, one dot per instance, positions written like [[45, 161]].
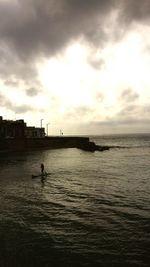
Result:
[[93, 210]]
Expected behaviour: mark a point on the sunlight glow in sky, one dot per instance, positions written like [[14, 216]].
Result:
[[87, 76], [71, 79]]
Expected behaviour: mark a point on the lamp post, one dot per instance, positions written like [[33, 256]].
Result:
[[41, 128], [61, 132], [41, 122], [47, 128]]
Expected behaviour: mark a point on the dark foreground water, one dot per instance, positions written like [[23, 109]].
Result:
[[93, 210]]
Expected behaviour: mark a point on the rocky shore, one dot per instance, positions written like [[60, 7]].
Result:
[[54, 142]]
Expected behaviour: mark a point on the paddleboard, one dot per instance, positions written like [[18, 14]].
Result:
[[41, 175]]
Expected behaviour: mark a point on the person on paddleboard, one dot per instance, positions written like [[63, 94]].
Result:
[[42, 168]]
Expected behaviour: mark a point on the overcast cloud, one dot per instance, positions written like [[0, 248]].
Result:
[[32, 31], [12, 106]]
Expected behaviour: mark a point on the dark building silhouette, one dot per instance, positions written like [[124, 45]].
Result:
[[12, 129], [19, 129], [33, 132]]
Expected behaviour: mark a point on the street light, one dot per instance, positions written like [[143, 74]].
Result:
[[61, 132], [41, 122], [47, 128]]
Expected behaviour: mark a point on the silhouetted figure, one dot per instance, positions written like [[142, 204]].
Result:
[[42, 168]]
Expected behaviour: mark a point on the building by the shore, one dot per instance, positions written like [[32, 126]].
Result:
[[17, 136], [19, 129]]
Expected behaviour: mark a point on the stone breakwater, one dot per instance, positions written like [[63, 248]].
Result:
[[23, 144]]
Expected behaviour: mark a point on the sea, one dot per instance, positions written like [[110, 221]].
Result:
[[92, 210]]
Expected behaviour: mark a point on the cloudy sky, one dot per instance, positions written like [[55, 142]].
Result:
[[81, 65]]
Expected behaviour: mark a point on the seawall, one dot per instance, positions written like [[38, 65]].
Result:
[[54, 142]]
